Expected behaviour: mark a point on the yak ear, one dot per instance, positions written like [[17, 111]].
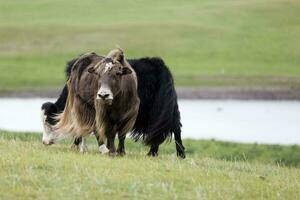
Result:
[[91, 70], [126, 70], [117, 55]]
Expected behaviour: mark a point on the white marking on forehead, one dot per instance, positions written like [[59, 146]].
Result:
[[108, 67]]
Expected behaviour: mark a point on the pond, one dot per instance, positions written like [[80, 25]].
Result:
[[271, 122]]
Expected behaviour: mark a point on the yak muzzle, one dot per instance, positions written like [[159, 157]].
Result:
[[48, 143], [105, 95]]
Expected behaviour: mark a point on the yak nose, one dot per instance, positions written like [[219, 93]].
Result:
[[48, 143], [103, 95]]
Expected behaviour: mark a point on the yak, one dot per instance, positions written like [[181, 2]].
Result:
[[158, 115], [102, 98]]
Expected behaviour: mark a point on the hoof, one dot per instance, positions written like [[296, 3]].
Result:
[[112, 154], [103, 149], [181, 154], [74, 146], [152, 154], [121, 153], [83, 149]]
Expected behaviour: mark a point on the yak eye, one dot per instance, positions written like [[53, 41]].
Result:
[[119, 71]]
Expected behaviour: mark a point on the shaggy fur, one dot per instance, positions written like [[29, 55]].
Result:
[[78, 117], [158, 117], [85, 112]]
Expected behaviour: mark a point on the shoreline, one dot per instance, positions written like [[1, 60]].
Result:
[[217, 93]]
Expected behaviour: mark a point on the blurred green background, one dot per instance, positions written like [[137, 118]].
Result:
[[241, 43]]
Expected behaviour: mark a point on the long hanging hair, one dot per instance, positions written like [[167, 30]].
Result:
[[78, 117]]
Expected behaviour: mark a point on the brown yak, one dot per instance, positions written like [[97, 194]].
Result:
[[103, 98]]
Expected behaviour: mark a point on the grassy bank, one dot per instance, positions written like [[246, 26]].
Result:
[[211, 43], [212, 170]]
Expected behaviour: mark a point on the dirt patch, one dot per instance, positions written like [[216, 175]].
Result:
[[238, 93], [269, 93], [31, 93]]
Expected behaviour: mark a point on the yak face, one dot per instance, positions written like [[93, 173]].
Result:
[[110, 72]]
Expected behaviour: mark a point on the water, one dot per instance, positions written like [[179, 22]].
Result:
[[269, 122], [272, 122]]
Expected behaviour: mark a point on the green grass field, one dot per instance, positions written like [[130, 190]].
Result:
[[212, 170], [209, 43]]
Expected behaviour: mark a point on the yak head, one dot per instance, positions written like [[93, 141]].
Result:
[[110, 71]]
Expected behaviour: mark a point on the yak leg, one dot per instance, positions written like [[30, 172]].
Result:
[[101, 144], [76, 142], [111, 143], [179, 145], [121, 146], [83, 146], [153, 151]]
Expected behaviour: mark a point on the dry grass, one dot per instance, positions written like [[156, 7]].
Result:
[[30, 170]]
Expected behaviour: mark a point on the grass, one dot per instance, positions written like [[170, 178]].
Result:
[[212, 170], [208, 43]]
